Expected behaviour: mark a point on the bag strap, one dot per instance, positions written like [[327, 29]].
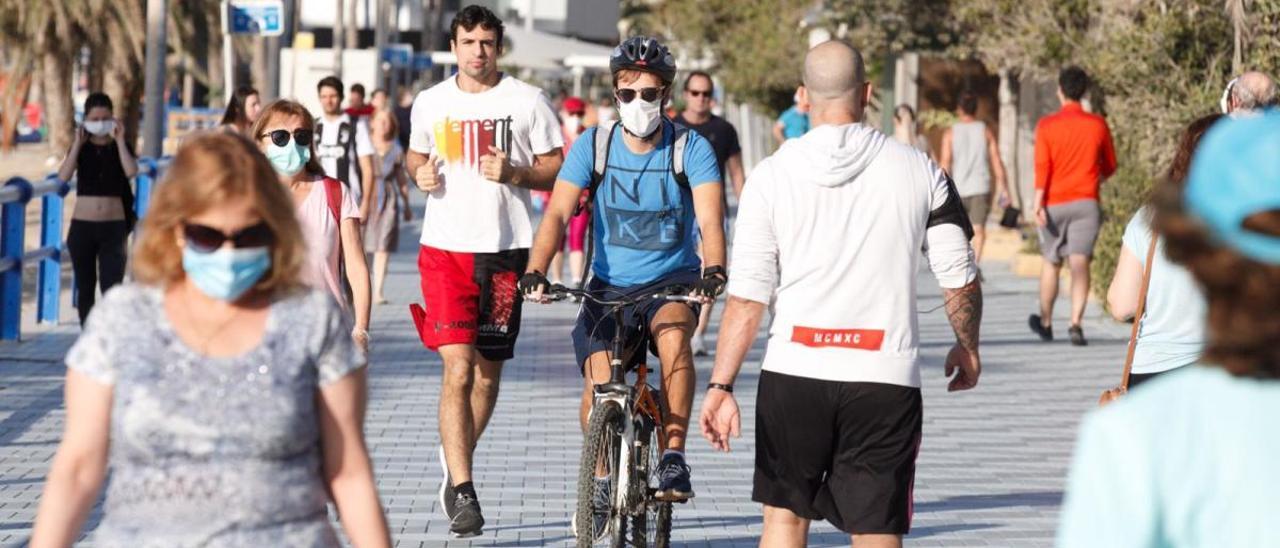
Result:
[[1142, 309], [678, 145], [333, 195]]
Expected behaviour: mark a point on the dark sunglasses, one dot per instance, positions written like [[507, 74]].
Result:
[[207, 240], [281, 137], [698, 92], [649, 95]]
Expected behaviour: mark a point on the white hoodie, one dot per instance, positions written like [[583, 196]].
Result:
[[830, 231]]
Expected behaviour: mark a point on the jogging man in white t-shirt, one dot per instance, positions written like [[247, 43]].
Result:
[[480, 141], [343, 145], [830, 231]]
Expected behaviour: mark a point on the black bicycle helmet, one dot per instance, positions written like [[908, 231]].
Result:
[[644, 53]]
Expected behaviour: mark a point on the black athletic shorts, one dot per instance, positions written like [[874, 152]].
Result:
[[595, 327], [840, 451]]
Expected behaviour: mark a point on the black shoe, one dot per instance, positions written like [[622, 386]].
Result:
[[673, 480], [1045, 332], [467, 520], [1077, 336], [601, 505], [446, 489]]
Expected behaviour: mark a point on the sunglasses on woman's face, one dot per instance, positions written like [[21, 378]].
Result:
[[207, 240], [649, 95], [281, 137]]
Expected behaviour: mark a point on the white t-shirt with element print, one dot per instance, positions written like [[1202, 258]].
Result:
[[470, 213]]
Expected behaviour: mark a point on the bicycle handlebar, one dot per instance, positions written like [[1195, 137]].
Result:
[[559, 292]]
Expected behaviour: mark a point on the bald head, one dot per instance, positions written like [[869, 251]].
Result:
[[833, 70], [1253, 90]]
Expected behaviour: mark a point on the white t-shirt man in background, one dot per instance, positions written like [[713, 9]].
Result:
[[343, 146], [479, 142]]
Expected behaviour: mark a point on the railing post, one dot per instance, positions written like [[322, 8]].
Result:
[[12, 228], [49, 285]]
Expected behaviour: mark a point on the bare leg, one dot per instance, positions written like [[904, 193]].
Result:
[[1049, 273], [379, 275], [484, 395], [704, 319], [577, 266], [556, 268], [457, 426], [979, 239], [877, 541], [1079, 286], [671, 327], [783, 529]]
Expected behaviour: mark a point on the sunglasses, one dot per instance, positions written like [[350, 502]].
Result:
[[281, 137], [649, 95], [698, 92], [207, 240]]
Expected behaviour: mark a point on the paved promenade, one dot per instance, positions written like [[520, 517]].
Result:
[[991, 468]]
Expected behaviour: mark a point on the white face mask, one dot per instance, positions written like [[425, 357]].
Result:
[[573, 124], [641, 117], [605, 114], [100, 127]]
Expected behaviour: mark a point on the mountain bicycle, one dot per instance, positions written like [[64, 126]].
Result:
[[624, 437]]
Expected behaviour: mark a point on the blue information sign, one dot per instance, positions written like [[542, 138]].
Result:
[[265, 17]]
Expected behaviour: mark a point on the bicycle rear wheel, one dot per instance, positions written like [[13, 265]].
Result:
[[600, 451]]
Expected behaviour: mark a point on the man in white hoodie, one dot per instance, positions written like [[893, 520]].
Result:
[[829, 233]]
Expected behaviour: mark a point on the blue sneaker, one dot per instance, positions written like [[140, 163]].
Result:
[[673, 480]]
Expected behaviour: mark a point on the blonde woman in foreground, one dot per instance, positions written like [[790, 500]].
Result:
[[231, 411]]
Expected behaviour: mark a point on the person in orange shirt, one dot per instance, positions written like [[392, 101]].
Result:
[[1074, 154]]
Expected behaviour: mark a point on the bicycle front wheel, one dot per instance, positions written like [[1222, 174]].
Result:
[[651, 524], [600, 456]]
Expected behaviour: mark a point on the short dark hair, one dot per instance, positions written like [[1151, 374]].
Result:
[[358, 88], [968, 103], [98, 99], [331, 82], [699, 73], [470, 17], [1074, 82]]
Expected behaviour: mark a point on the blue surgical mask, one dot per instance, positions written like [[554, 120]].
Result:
[[288, 159], [227, 273]]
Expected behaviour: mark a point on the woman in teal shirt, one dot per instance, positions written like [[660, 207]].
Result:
[[1191, 459]]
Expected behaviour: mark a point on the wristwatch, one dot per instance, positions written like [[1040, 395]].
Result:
[[717, 386]]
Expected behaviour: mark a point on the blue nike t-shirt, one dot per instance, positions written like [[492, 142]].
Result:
[[644, 221]]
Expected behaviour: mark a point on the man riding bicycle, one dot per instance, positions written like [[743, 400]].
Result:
[[649, 180]]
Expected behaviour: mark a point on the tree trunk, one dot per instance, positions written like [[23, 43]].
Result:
[[17, 84], [55, 70]]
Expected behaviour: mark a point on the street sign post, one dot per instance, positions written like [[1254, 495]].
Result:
[[262, 17]]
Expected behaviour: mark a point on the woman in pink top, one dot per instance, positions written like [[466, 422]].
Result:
[[330, 218]]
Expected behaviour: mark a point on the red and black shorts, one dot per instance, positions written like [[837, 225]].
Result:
[[471, 298], [840, 451]]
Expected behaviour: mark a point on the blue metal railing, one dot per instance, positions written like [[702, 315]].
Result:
[[15, 195]]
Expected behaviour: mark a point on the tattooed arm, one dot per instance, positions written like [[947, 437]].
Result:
[[964, 309]]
